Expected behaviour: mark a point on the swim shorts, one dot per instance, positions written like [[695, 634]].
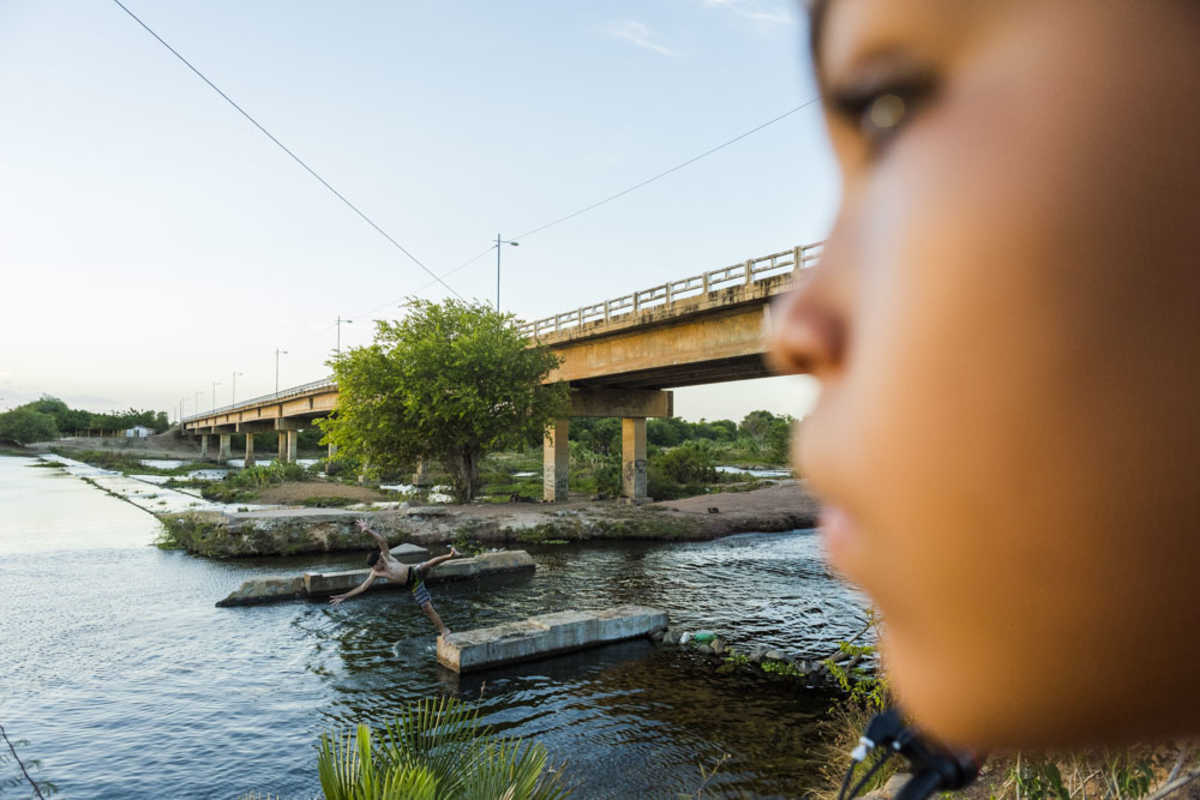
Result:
[[416, 582]]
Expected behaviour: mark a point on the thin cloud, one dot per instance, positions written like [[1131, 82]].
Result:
[[639, 34], [752, 11]]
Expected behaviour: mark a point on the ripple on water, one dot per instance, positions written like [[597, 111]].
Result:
[[124, 678]]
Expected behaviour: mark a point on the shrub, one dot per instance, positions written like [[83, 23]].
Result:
[[24, 425], [688, 464]]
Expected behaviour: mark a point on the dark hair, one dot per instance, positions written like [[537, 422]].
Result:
[[371, 559]]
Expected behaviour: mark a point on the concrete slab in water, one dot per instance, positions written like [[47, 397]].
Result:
[[546, 635], [274, 589], [409, 553]]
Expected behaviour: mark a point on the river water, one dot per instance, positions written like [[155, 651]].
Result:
[[127, 682]]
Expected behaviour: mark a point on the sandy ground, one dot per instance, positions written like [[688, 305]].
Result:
[[293, 493]]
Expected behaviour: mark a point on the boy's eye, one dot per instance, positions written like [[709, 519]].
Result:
[[879, 111]]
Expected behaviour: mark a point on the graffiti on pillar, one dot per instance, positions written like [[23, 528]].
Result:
[[634, 475]]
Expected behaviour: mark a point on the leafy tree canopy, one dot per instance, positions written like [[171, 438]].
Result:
[[65, 420], [451, 381], [24, 425]]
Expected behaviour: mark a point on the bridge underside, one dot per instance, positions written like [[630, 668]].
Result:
[[735, 368], [714, 347]]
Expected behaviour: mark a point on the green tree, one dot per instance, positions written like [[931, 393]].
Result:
[[24, 425], [451, 381]]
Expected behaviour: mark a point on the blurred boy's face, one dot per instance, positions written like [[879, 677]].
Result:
[[1006, 327]]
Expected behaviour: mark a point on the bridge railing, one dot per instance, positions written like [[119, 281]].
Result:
[[283, 394], [667, 294]]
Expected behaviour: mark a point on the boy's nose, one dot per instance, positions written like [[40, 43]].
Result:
[[805, 334]]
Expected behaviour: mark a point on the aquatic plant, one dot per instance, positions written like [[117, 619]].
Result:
[[437, 750]]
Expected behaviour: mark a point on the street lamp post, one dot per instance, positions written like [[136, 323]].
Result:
[[215, 385], [233, 390], [341, 322], [278, 353], [499, 243]]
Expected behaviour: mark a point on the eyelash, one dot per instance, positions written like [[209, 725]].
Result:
[[855, 106]]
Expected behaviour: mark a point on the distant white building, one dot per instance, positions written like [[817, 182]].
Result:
[[138, 432]]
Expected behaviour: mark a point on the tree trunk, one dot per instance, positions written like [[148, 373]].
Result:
[[465, 466]]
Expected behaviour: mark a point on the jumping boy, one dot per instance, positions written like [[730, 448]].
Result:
[[413, 578]]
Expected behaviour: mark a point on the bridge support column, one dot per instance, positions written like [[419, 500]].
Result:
[[249, 450], [633, 459], [420, 478], [204, 446], [556, 458], [290, 439], [224, 447], [281, 447]]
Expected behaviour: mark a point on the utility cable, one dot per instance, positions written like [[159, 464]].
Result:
[[633, 188], [285, 149], [666, 172]]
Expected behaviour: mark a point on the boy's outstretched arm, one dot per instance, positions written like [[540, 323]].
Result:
[[362, 587], [363, 525]]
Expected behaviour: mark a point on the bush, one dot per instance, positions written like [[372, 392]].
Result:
[[245, 484], [24, 425], [327, 501], [688, 464]]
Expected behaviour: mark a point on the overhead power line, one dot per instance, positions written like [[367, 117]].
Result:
[[632, 188], [285, 149], [666, 172]]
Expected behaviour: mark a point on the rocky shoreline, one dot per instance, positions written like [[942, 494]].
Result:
[[815, 672], [784, 506]]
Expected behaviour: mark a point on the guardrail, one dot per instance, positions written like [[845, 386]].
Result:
[[667, 294], [304, 388], [663, 295]]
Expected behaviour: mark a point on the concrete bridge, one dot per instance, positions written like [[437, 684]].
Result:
[[620, 357]]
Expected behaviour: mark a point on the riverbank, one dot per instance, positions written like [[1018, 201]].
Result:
[[784, 506]]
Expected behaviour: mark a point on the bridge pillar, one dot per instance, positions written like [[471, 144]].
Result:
[[224, 447], [204, 446], [556, 458], [249, 450], [633, 459], [289, 439], [420, 478]]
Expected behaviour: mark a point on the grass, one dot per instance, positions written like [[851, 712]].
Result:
[[328, 501], [245, 484]]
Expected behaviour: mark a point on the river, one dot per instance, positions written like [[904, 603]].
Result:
[[128, 683]]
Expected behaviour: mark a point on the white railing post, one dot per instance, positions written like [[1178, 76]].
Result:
[[606, 314], [579, 316], [797, 257], [667, 294], [749, 271], [706, 289], [635, 302]]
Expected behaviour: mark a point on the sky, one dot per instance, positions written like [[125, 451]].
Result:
[[153, 242]]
